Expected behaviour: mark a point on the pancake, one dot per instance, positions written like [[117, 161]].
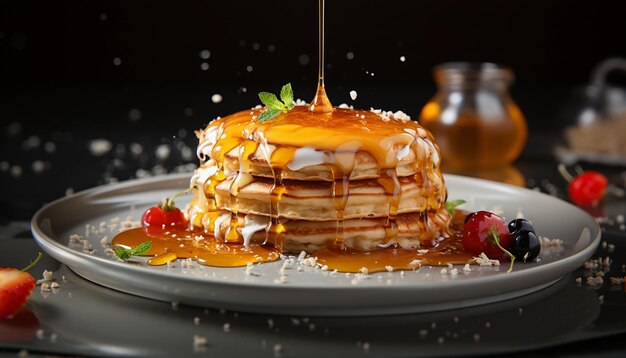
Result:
[[414, 231], [307, 180], [314, 200], [318, 152]]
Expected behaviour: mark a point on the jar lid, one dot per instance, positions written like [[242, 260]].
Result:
[[472, 73]]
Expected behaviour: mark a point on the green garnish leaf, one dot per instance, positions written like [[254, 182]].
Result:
[[142, 248], [286, 95], [451, 205], [274, 105], [122, 253], [271, 101], [125, 254], [269, 114]]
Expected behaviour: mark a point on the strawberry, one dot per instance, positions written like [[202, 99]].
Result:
[[164, 214], [15, 287]]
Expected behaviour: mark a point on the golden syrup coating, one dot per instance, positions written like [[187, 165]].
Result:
[[340, 133]]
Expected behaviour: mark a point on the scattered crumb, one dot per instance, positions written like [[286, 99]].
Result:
[[278, 348], [485, 261], [199, 342]]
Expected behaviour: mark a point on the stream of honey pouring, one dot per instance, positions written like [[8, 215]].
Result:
[[340, 133]]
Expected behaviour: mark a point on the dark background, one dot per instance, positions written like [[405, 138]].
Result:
[[59, 82]]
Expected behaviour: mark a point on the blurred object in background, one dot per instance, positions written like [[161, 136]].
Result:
[[473, 118], [597, 118]]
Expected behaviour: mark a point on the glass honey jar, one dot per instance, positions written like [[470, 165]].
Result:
[[476, 123]]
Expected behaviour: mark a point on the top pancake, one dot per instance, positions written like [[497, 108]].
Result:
[[302, 145]]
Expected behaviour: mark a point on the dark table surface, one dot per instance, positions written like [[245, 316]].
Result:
[[89, 320]]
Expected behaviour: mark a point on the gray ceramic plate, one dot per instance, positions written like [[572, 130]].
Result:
[[312, 291]]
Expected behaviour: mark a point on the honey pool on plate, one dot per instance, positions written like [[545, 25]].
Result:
[[169, 244]]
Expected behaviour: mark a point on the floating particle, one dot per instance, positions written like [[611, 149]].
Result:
[[4, 166], [243, 90], [353, 95], [31, 142], [13, 129], [204, 66], [217, 98], [162, 152], [249, 68], [188, 112], [16, 171], [271, 48], [100, 147], [402, 58], [135, 149], [304, 59], [182, 133], [50, 147], [205, 54], [350, 55], [103, 16], [256, 46], [186, 153], [38, 166], [134, 114], [117, 61]]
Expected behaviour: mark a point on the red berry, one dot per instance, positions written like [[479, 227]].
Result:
[[15, 287], [481, 232], [587, 188], [159, 216]]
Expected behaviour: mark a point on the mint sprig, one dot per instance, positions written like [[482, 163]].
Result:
[[451, 205], [274, 105], [125, 254]]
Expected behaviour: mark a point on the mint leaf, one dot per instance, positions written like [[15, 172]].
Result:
[[451, 205], [269, 114], [286, 95], [274, 105], [122, 253], [125, 254], [142, 248], [271, 101]]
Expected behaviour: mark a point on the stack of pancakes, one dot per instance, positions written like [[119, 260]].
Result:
[[306, 181]]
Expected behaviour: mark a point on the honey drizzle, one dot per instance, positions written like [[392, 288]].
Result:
[[171, 244], [320, 103], [340, 195], [279, 160], [391, 185], [208, 191]]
